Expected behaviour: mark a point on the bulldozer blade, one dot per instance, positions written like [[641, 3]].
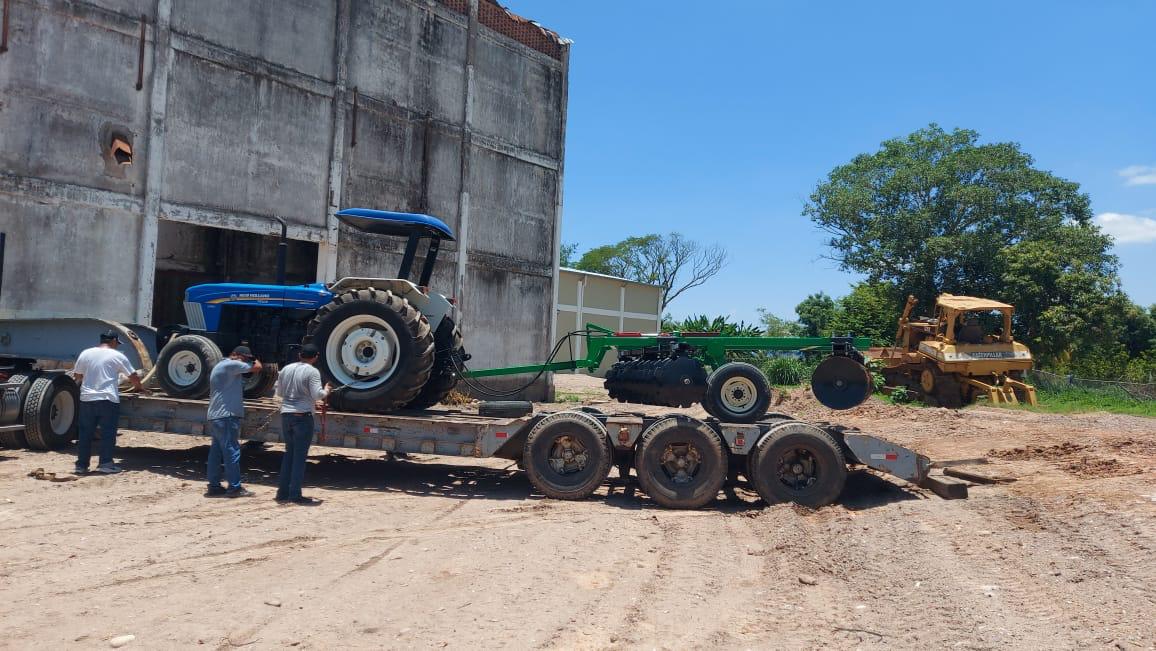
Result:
[[840, 382]]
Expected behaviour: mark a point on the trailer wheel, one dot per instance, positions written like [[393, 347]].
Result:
[[13, 404], [444, 376], [184, 365], [681, 463], [567, 455], [737, 392], [798, 462], [375, 346], [257, 385], [50, 412]]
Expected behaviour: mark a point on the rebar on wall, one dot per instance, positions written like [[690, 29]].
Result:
[[141, 54], [4, 27]]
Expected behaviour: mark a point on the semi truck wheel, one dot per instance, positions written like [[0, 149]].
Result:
[[444, 376], [737, 392], [681, 463], [51, 412], [184, 365], [567, 455], [798, 462], [13, 406], [258, 384], [375, 347]]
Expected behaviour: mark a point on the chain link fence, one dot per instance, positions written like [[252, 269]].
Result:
[[1127, 390]]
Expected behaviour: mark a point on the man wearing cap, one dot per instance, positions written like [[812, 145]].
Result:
[[299, 386], [226, 407], [97, 371]]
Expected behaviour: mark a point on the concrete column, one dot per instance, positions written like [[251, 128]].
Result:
[[558, 209], [580, 319], [327, 248], [467, 145], [155, 172], [622, 307]]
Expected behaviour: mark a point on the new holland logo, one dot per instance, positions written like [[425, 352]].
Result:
[[245, 296]]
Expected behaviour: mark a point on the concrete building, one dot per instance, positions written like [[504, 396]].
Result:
[[615, 303], [146, 145]]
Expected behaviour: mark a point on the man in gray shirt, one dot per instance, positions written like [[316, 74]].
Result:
[[226, 407], [299, 386]]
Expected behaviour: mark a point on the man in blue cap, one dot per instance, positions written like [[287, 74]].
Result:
[[226, 407]]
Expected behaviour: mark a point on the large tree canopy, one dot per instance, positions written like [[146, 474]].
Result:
[[937, 212], [672, 262]]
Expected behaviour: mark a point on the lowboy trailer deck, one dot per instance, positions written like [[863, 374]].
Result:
[[681, 462]]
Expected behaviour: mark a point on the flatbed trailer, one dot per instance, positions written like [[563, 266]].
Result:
[[680, 461]]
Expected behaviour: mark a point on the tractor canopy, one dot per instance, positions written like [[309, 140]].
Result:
[[402, 224], [971, 304]]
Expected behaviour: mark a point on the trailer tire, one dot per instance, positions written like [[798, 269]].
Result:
[[798, 462], [681, 463], [567, 455], [444, 376], [184, 365], [392, 322], [737, 392], [257, 385], [505, 408], [51, 412], [14, 401]]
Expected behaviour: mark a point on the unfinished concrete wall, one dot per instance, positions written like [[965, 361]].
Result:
[[288, 108]]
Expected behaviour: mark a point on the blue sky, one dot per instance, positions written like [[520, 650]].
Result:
[[717, 119]]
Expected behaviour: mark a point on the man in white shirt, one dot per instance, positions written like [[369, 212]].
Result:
[[299, 386], [98, 372]]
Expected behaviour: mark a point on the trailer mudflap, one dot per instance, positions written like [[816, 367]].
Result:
[[884, 456]]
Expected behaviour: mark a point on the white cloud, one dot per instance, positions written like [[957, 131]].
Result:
[[1127, 229], [1139, 175]]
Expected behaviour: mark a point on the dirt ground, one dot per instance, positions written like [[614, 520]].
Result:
[[441, 552]]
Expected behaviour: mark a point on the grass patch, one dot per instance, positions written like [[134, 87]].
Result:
[[567, 396], [1079, 400]]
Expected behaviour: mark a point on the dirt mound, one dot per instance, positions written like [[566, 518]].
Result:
[[1099, 468], [1039, 452]]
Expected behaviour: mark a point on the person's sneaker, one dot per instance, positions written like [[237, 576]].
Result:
[[79, 471], [240, 491], [108, 468], [215, 491], [305, 501], [281, 499]]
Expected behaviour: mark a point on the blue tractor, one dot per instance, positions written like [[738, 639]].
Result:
[[386, 343]]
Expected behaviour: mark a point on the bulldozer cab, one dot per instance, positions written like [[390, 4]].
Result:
[[412, 226], [970, 320]]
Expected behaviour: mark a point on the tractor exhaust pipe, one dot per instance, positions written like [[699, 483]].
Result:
[[282, 250]]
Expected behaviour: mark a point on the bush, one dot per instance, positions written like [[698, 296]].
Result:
[[785, 371], [901, 396]]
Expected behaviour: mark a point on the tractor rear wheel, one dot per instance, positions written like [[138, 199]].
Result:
[[376, 349], [444, 377], [51, 412], [184, 365]]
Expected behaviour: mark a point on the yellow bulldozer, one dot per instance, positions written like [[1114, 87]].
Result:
[[966, 351]]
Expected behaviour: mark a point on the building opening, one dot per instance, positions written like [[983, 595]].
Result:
[[189, 255]]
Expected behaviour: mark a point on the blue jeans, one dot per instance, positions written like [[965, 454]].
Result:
[[226, 449], [297, 432], [94, 413]]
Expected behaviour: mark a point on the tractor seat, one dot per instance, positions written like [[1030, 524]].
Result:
[[970, 333], [402, 224]]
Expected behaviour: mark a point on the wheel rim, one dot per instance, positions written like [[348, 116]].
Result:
[[680, 462], [567, 455], [739, 395], [798, 469], [185, 368], [62, 413], [362, 352], [927, 380]]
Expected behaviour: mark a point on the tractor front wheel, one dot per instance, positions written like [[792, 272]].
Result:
[[376, 349], [184, 365]]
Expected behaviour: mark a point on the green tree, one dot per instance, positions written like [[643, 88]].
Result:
[[775, 326], [816, 314], [937, 212], [568, 256], [871, 309], [672, 262]]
